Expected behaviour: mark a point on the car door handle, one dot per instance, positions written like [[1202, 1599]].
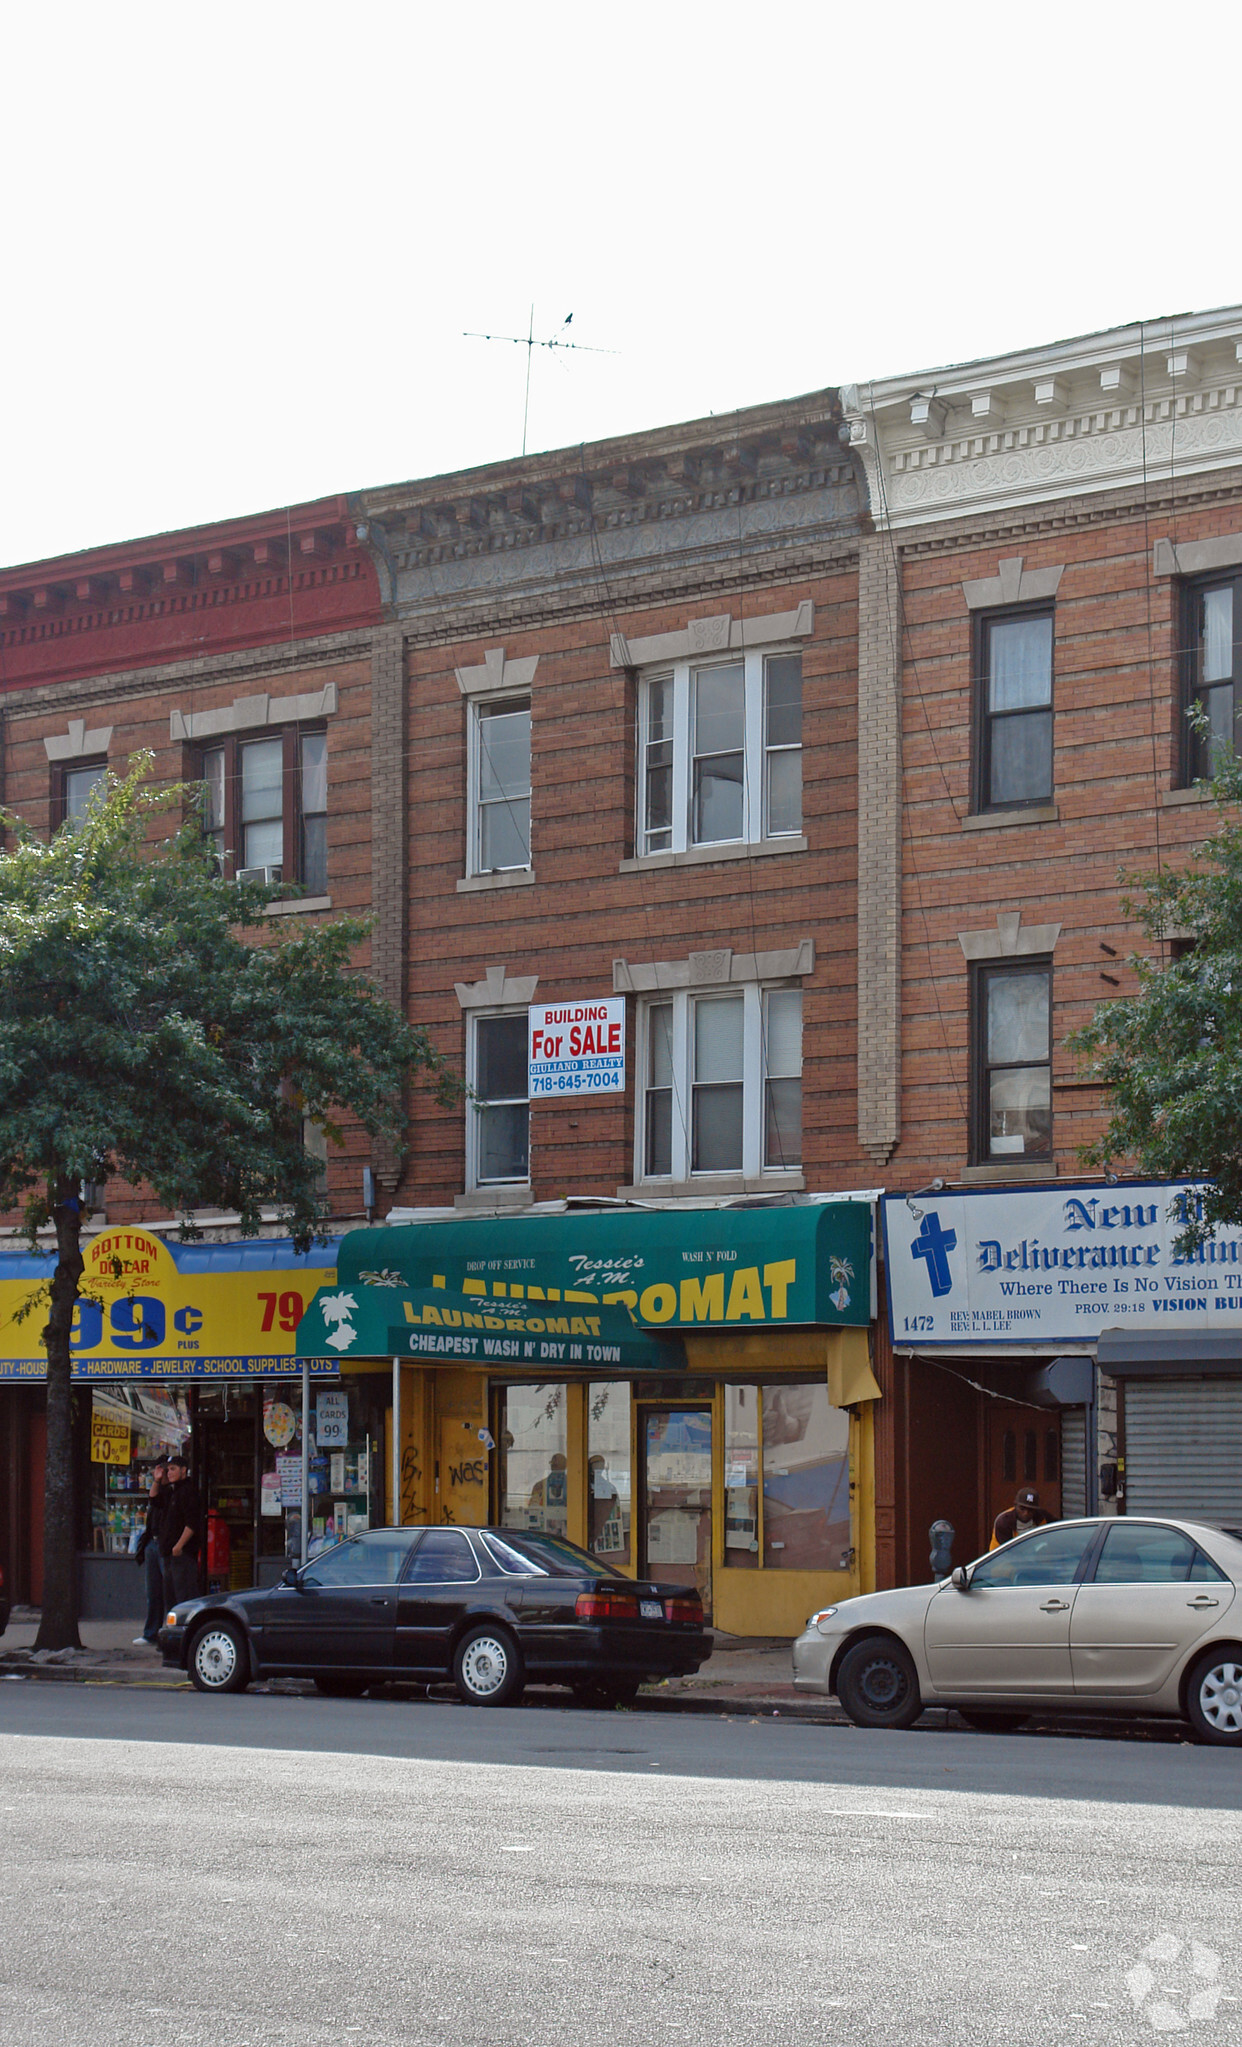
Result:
[[1202, 1603], [381, 1602], [1055, 1606]]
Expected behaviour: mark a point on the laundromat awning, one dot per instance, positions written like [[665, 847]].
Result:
[[380, 1319]]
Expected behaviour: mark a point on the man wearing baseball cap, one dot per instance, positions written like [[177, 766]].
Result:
[[180, 1531], [1025, 1513]]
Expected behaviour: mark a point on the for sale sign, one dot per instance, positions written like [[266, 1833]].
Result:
[[577, 1048]]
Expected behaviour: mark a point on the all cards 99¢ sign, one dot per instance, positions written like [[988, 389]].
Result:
[[577, 1048]]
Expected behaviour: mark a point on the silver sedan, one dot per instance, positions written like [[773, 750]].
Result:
[[1114, 1615]]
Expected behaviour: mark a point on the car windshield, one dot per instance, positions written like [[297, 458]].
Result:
[[554, 1553]]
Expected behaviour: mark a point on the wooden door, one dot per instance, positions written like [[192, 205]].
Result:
[[1024, 1449]]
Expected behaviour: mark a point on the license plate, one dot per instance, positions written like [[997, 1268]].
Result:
[[651, 1609]]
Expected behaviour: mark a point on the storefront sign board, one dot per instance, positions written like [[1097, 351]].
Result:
[[671, 1268], [577, 1048], [166, 1311], [1051, 1265], [442, 1328]]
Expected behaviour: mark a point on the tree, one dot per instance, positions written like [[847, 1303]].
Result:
[[143, 1037], [1170, 1056]]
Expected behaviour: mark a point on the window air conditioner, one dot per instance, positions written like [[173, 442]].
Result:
[[263, 874]]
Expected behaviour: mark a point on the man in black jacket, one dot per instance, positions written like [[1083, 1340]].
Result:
[[181, 1532], [148, 1553]]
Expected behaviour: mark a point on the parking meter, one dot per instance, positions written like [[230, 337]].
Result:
[[941, 1534]]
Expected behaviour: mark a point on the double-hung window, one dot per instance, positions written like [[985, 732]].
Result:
[[721, 1084], [77, 787], [500, 785], [266, 806], [1014, 715], [498, 1112], [720, 753], [1213, 670], [1012, 1048]]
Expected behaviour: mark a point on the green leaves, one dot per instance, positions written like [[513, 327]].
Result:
[[154, 1026], [1170, 1057]]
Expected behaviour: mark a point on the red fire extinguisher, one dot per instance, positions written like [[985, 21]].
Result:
[[219, 1545]]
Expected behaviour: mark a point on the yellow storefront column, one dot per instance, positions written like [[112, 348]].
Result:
[[463, 1464], [417, 1459]]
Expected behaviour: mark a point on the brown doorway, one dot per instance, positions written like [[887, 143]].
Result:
[[1024, 1449], [675, 1546]]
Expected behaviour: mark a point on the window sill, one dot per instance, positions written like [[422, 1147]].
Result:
[[996, 820], [713, 1186], [495, 1197], [300, 906], [700, 856], [998, 1170], [1173, 797], [505, 877]]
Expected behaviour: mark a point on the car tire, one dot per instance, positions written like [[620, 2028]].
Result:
[[993, 1723], [878, 1684], [606, 1692], [487, 1667], [341, 1687], [219, 1659], [1214, 1697]]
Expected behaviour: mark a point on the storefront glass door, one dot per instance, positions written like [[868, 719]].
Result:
[[677, 1498]]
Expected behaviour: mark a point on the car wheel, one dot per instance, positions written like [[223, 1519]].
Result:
[[219, 1659], [603, 1692], [1214, 1697], [487, 1668], [993, 1723], [878, 1685], [341, 1687]]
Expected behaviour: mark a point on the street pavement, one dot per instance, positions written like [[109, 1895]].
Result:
[[276, 1868]]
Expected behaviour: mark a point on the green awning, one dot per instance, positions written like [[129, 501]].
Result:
[[671, 1268], [380, 1319]]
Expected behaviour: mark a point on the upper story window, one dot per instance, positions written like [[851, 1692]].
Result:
[[1012, 1061], [498, 1112], [1212, 668], [1014, 709], [499, 785], [721, 1083], [720, 753], [266, 805], [78, 785]]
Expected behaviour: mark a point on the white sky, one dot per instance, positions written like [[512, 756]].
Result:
[[243, 240]]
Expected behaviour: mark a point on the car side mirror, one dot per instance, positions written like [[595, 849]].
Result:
[[290, 1576], [961, 1578]]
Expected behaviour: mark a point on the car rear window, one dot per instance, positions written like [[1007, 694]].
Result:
[[508, 1560], [553, 1554]]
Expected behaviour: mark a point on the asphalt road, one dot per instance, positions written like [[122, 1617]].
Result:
[[259, 1871]]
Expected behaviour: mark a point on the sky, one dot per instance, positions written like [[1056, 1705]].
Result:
[[247, 244]]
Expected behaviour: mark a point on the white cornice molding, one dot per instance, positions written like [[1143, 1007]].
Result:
[[722, 967], [246, 714], [1196, 557], [497, 990], [1161, 400], [1012, 584], [1007, 940]]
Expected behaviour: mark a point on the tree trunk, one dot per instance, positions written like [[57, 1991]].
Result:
[[58, 1628]]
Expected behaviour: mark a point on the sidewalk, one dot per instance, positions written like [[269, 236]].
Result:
[[743, 1675]]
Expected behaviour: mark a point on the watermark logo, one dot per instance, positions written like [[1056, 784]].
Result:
[[1176, 1985]]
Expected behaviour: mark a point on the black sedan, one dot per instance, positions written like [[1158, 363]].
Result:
[[492, 1607]]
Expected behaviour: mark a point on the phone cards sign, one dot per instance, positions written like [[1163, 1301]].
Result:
[[577, 1048]]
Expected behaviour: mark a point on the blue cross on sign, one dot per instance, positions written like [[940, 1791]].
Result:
[[934, 1243]]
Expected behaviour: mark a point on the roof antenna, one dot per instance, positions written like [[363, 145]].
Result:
[[529, 343]]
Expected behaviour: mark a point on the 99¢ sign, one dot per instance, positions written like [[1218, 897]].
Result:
[[577, 1048]]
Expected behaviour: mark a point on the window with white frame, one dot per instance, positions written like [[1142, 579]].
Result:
[[500, 785], [498, 1112], [721, 1079], [720, 753]]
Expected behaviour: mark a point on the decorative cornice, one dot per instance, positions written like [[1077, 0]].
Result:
[[1009, 940], [497, 990], [294, 658], [721, 634], [494, 674], [1012, 584], [78, 744], [244, 714]]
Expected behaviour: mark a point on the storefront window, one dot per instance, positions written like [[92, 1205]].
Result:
[[534, 1465], [806, 1479], [741, 1482], [608, 1470], [130, 1427], [343, 1470], [787, 1478]]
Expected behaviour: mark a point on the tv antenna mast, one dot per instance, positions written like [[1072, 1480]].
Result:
[[529, 343]]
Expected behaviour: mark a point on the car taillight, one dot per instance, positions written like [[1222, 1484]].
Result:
[[603, 1605], [685, 1610]]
